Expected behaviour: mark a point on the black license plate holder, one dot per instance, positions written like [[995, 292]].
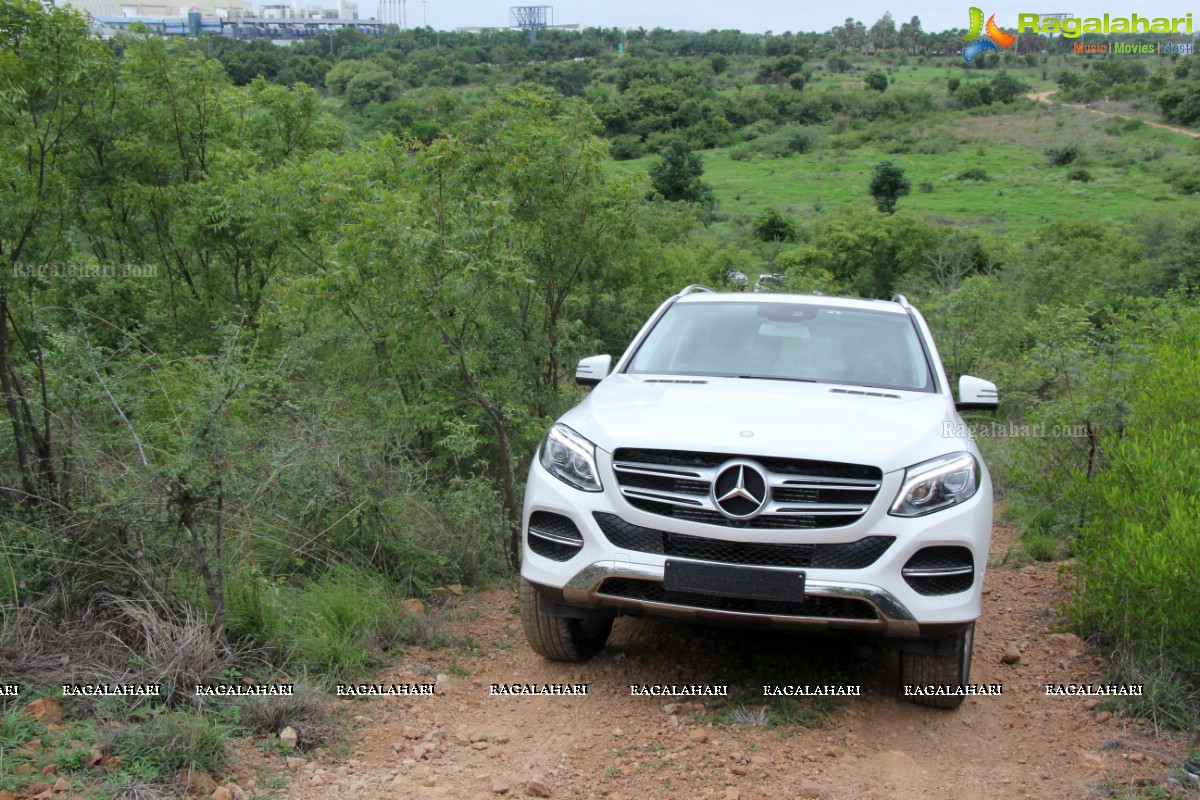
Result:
[[731, 580]]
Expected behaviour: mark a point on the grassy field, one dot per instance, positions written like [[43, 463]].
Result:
[[932, 75], [1129, 165]]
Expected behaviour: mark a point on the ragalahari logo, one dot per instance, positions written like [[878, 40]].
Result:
[[988, 41]]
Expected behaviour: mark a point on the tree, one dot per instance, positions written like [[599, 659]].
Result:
[[53, 72], [911, 35], [465, 266], [676, 176], [877, 81], [888, 185], [1006, 88], [883, 32]]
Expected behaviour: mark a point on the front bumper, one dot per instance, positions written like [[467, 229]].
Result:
[[874, 600]]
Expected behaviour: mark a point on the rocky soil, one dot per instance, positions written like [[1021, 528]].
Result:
[[465, 743]]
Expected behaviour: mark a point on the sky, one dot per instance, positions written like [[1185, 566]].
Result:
[[760, 16]]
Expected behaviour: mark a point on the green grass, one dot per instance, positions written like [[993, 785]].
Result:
[[931, 75], [170, 741], [338, 627], [1129, 171]]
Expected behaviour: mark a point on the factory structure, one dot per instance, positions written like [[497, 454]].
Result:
[[280, 22], [234, 18]]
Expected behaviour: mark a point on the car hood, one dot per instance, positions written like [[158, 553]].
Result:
[[760, 417]]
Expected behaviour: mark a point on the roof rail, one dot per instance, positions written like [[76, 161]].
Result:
[[902, 300], [695, 287]]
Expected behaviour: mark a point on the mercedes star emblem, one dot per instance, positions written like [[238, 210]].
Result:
[[740, 490]]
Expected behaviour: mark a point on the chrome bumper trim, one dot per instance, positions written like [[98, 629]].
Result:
[[893, 618]]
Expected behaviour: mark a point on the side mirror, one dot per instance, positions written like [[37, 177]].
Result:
[[976, 394], [592, 370]]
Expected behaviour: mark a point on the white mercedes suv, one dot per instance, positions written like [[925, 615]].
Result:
[[787, 461]]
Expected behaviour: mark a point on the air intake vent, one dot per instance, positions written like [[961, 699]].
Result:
[[553, 536], [940, 570], [845, 555]]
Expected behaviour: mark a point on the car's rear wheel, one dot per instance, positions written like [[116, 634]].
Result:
[[560, 638], [947, 663]]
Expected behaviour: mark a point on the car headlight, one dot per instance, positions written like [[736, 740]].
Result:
[[571, 458], [936, 484]]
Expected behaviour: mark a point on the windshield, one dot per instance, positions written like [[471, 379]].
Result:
[[786, 341]]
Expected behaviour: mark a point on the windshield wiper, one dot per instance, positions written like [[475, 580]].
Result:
[[777, 378]]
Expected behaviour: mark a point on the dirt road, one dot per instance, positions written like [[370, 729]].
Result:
[[1044, 97], [465, 743]]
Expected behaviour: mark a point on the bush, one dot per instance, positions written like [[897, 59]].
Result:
[[676, 176], [974, 174], [1061, 155], [626, 146], [973, 95], [877, 81], [925, 187], [1007, 88], [1138, 556], [888, 185], [838, 64], [1186, 183], [1079, 174], [800, 140], [772, 226], [757, 129]]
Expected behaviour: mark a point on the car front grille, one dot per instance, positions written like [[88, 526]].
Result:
[[811, 606], [845, 555], [800, 493]]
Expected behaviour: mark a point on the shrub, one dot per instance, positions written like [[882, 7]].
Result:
[[877, 81], [800, 140], [1061, 155], [838, 64], [772, 226], [925, 187], [1186, 183], [1007, 88], [1079, 174], [888, 185], [973, 95], [626, 146], [974, 174], [1138, 557], [676, 176], [757, 129]]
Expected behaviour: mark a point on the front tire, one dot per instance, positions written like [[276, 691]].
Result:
[[560, 638], [947, 664]]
